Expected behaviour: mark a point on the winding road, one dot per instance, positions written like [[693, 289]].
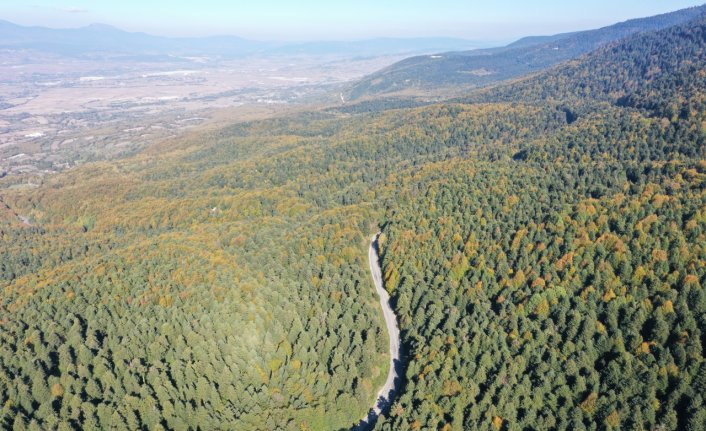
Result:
[[387, 392]]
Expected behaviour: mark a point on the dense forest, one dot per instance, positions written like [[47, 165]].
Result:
[[562, 285], [543, 243]]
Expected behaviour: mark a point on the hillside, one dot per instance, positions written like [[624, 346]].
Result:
[[478, 68], [559, 284], [651, 72], [544, 250]]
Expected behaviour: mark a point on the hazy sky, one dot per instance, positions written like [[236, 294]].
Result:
[[337, 19]]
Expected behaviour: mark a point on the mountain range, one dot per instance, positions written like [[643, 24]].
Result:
[[98, 40]]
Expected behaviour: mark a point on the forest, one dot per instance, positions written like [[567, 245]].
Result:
[[562, 285], [544, 243]]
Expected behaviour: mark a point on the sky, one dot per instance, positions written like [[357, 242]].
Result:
[[496, 20]]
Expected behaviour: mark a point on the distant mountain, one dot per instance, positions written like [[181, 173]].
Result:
[[482, 67], [104, 40], [101, 39]]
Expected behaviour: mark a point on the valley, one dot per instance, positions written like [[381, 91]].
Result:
[[59, 112]]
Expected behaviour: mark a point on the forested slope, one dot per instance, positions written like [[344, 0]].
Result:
[[175, 303], [452, 71], [661, 72], [220, 281], [545, 254], [562, 286]]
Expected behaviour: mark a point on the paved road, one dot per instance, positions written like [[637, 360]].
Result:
[[387, 392]]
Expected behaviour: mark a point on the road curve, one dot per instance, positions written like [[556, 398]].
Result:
[[387, 392]]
